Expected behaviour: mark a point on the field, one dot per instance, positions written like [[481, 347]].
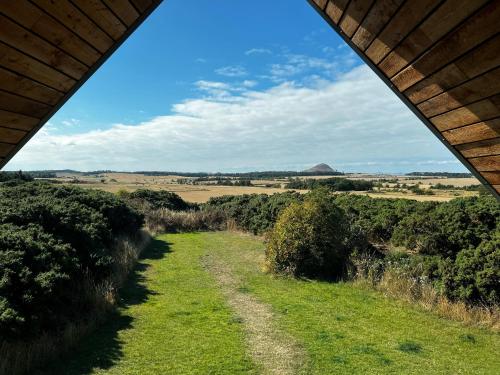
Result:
[[199, 303], [114, 182]]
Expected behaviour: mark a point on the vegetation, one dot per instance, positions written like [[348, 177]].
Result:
[[58, 246], [441, 174], [310, 239], [176, 319], [334, 184], [15, 176], [157, 199]]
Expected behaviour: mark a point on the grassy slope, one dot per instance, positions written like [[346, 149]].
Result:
[[176, 322]]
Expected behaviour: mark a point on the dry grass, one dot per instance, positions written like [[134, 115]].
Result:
[[396, 284], [167, 221], [21, 357]]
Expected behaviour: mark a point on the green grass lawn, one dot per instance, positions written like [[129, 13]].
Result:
[[174, 320]]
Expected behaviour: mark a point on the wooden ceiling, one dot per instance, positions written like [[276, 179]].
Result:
[[48, 49], [442, 58]]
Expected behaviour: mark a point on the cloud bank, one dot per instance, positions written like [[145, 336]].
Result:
[[353, 122]]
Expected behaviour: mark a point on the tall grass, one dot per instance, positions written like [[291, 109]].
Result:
[[22, 357], [168, 221], [397, 282]]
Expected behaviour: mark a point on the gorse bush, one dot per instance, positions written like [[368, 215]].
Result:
[[159, 199], [51, 239], [310, 239], [333, 184]]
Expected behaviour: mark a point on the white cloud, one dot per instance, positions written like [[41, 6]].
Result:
[[354, 122], [232, 71], [258, 51], [201, 60], [249, 83]]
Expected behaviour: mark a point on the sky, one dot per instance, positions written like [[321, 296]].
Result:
[[234, 86]]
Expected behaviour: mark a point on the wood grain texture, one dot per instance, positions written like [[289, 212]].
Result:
[[31, 44], [481, 148], [33, 18], [124, 10], [492, 177], [143, 5], [354, 15], [480, 60], [475, 132], [486, 163], [374, 22], [5, 149], [401, 24], [76, 21], [20, 85], [34, 69], [8, 135], [18, 104], [320, 3], [438, 24], [480, 111], [476, 89], [17, 121], [474, 31], [102, 16], [335, 9]]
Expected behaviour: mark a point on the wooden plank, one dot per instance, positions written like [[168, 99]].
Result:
[[474, 31], [320, 3], [479, 88], [143, 5], [492, 177], [481, 148], [124, 10], [15, 103], [497, 188], [102, 16], [23, 86], [354, 15], [5, 149], [11, 135], [33, 69], [76, 21], [407, 17], [471, 133], [479, 111], [17, 121], [24, 40], [440, 22], [34, 19], [375, 20], [335, 9], [480, 60], [486, 163]]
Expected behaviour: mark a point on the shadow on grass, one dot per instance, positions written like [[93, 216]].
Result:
[[103, 348]]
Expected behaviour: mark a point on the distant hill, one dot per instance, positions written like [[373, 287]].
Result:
[[320, 168]]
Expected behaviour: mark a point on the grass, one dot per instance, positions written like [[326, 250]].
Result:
[[175, 319]]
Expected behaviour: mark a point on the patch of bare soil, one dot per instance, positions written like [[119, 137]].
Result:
[[275, 351]]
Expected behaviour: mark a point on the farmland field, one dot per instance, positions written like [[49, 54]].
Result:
[[199, 193], [199, 303]]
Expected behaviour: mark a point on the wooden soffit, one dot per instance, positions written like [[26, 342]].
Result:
[[48, 49], [442, 58]]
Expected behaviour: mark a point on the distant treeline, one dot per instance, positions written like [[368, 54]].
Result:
[[440, 174], [249, 175], [10, 176], [334, 184]]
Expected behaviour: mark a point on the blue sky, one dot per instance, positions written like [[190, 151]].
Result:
[[220, 85]]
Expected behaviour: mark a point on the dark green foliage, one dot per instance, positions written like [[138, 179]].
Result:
[[310, 239], [52, 238], [10, 176], [161, 199], [410, 347], [256, 213], [333, 184]]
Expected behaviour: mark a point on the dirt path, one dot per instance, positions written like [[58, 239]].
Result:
[[272, 349]]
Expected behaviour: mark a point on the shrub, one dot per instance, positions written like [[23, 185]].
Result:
[[164, 220], [309, 239], [161, 199]]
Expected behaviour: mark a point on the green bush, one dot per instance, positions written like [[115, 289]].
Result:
[[161, 199], [474, 276], [52, 238], [310, 239]]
